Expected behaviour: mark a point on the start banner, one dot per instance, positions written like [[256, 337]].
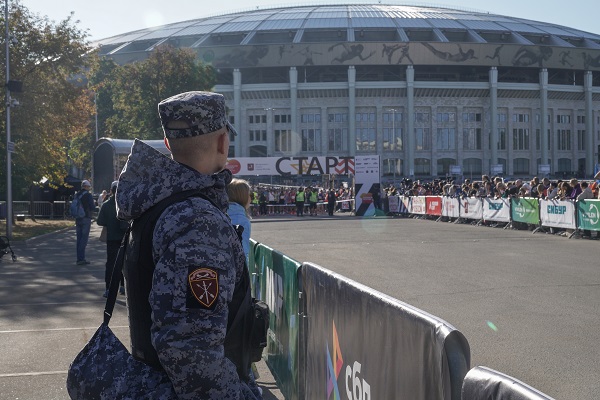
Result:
[[286, 166], [497, 210], [471, 208], [588, 215], [434, 205], [558, 213]]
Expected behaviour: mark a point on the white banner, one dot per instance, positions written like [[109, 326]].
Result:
[[406, 203], [419, 205], [558, 213], [366, 184], [450, 207], [291, 165], [496, 210], [471, 208]]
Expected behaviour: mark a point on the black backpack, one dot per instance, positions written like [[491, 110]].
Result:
[[248, 320]]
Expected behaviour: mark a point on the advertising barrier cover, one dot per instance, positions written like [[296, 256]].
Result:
[[525, 209], [394, 204], [276, 283], [434, 205], [366, 345], [471, 208], [497, 210], [419, 206], [406, 201], [367, 185], [558, 213], [450, 207], [588, 214]]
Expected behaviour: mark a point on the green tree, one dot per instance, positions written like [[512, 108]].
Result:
[[55, 106], [136, 89]]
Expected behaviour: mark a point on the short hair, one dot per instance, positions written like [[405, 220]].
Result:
[[238, 191], [584, 184]]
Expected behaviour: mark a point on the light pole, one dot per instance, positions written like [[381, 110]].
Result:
[[393, 135], [9, 144]]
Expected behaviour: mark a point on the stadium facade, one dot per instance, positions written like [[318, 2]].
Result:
[[429, 89]]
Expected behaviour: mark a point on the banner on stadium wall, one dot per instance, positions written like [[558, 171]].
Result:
[[450, 207], [434, 205], [471, 208], [278, 286], [588, 215], [558, 213], [349, 356], [286, 166], [525, 209], [497, 210], [366, 184], [418, 205]]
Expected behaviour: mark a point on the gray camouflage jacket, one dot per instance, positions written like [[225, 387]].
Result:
[[198, 260]]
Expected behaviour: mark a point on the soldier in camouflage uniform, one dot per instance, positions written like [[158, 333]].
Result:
[[196, 250]]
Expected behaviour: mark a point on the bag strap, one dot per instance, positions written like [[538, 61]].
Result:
[[115, 278]]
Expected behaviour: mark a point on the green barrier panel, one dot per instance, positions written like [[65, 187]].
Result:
[[275, 281], [525, 209], [588, 215]]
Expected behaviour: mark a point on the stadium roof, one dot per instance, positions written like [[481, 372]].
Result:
[[350, 23]]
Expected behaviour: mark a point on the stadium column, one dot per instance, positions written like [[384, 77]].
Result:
[[352, 110], [296, 144], [544, 116], [589, 124], [237, 112], [494, 116], [410, 122], [324, 132]]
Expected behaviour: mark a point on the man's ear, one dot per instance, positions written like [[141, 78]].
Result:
[[221, 144]]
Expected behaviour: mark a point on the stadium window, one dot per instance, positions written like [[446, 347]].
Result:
[[563, 119], [501, 117], [581, 139], [446, 139], [520, 139], [392, 139], [283, 140], [311, 138], [335, 139], [472, 138], [564, 139], [422, 139], [581, 119], [501, 139]]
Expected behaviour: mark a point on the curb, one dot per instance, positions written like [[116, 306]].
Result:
[[30, 241]]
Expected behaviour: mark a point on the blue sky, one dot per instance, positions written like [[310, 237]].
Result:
[[104, 18]]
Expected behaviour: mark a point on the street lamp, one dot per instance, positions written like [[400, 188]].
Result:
[[393, 135], [9, 145]]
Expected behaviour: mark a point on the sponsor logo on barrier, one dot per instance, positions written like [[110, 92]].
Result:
[[434, 204], [274, 292], [521, 211], [592, 215], [557, 210], [356, 388], [495, 206]]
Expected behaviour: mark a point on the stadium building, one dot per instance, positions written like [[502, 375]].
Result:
[[434, 91]]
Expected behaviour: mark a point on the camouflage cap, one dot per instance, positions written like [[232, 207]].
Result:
[[204, 112]]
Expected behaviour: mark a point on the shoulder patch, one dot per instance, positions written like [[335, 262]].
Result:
[[203, 288]]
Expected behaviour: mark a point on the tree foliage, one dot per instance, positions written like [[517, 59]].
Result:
[[54, 106], [128, 95]]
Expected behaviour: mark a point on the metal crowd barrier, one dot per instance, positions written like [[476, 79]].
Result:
[[37, 209], [575, 216]]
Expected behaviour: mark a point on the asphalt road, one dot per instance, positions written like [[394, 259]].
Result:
[[527, 303]]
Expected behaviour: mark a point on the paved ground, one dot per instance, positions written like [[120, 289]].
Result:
[[49, 308], [527, 303]]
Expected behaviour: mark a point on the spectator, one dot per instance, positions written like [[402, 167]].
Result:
[[300, 202], [238, 191], [576, 189], [115, 230], [84, 223], [552, 191]]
